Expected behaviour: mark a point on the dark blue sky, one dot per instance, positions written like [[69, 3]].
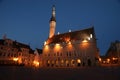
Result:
[[27, 21]]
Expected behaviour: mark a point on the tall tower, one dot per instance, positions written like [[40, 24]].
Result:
[[52, 23]]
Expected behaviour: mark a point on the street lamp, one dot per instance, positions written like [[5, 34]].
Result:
[[15, 59], [36, 63]]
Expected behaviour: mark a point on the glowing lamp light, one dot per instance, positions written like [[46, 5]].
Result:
[[88, 38], [69, 42], [36, 63], [15, 59], [91, 36], [108, 60], [46, 47], [78, 61], [114, 58], [57, 47], [84, 41], [57, 44], [100, 59], [45, 43]]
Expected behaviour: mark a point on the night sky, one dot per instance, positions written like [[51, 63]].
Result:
[[27, 21]]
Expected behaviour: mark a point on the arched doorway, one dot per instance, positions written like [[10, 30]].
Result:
[[48, 63], [78, 62], [52, 63], [72, 62], [67, 63], [89, 62], [62, 62]]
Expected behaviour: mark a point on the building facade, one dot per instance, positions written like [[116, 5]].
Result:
[[113, 53], [13, 52], [71, 49]]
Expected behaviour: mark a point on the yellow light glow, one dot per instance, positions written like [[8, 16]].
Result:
[[57, 46], [46, 46], [114, 58], [67, 39], [100, 59], [79, 61], [36, 63], [15, 59], [108, 60], [104, 62], [69, 42], [84, 41], [69, 45]]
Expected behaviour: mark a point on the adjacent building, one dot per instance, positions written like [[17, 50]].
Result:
[[38, 58], [13, 52], [113, 52]]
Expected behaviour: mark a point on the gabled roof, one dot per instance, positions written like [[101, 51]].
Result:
[[71, 36], [15, 44], [39, 50], [21, 45]]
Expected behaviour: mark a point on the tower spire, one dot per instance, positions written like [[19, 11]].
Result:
[[53, 14], [52, 23]]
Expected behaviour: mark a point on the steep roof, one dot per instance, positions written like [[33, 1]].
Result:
[[20, 45], [71, 36], [39, 50], [15, 44]]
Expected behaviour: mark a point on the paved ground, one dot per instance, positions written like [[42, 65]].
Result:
[[88, 73]]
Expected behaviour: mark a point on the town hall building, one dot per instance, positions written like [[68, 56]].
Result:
[[70, 49]]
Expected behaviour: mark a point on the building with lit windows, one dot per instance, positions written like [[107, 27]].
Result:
[[71, 49], [15, 53], [38, 58], [113, 52]]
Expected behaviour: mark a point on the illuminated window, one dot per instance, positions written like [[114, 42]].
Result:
[[62, 61], [72, 61], [48, 61]]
